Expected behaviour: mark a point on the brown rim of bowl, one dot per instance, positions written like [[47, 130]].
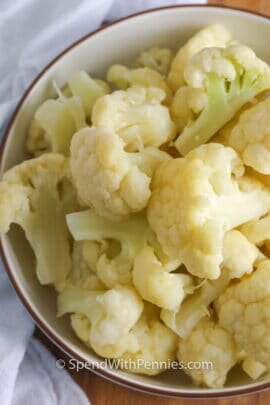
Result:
[[37, 319]]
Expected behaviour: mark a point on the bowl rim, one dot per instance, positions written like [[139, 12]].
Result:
[[59, 342]]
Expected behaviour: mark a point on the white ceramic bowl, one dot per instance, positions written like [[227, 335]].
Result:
[[119, 42]]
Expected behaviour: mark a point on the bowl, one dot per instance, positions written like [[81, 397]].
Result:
[[118, 42]]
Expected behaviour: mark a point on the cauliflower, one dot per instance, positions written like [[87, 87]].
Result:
[[123, 77], [156, 284], [251, 137], [196, 199], [148, 348], [54, 124], [195, 306], [155, 58], [113, 181], [111, 313], [81, 274], [131, 234], [137, 116], [212, 36], [36, 195], [244, 310], [88, 90], [239, 255], [214, 348], [219, 82]]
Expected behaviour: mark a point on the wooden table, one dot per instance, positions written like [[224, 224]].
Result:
[[102, 392]]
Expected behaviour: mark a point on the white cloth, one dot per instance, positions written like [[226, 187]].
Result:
[[32, 32]]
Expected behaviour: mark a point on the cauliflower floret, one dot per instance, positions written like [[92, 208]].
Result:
[[229, 78], [195, 306], [37, 194], [148, 348], [214, 348], [112, 313], [132, 234], [113, 181], [155, 58], [196, 199], [212, 36], [156, 284], [251, 137], [124, 77], [244, 310], [54, 124], [87, 89], [137, 116], [239, 255]]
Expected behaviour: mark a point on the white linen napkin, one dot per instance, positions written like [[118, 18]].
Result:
[[32, 32]]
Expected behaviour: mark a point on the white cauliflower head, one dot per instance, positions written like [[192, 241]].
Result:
[[155, 58], [137, 116], [251, 137], [156, 284], [212, 36], [214, 348], [113, 181], [244, 310], [219, 82], [196, 199], [124, 77], [118, 244], [111, 313], [37, 194]]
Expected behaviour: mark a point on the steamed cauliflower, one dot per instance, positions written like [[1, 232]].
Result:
[[239, 264], [37, 194], [155, 58], [137, 116], [212, 36], [115, 182], [148, 348], [196, 199], [123, 77], [219, 81], [112, 313], [118, 244], [244, 311], [214, 347], [156, 284], [251, 137]]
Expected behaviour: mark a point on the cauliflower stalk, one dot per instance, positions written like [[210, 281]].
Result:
[[137, 116], [212, 36], [115, 182], [123, 77], [195, 306], [244, 310], [111, 313], [214, 348], [250, 137], [36, 195], [196, 199], [155, 58], [156, 284], [132, 235], [219, 82]]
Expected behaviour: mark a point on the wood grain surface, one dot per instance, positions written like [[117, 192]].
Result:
[[102, 392]]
